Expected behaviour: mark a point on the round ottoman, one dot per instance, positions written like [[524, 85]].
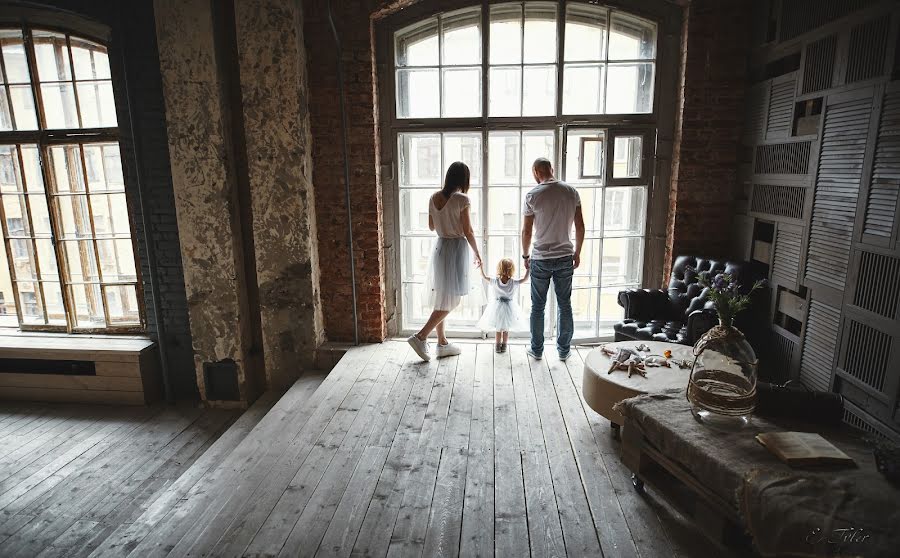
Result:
[[602, 390]]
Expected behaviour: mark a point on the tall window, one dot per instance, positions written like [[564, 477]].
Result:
[[69, 258], [498, 86]]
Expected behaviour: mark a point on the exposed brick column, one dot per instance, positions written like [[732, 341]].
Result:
[[204, 184], [704, 183], [352, 20], [274, 91]]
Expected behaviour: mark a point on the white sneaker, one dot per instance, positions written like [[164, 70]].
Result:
[[447, 350], [420, 347]]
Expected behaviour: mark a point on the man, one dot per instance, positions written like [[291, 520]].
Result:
[[550, 209]]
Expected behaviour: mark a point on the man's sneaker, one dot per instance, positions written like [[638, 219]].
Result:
[[447, 350], [533, 354], [420, 347], [564, 356]]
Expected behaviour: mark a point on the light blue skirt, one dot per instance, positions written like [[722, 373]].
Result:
[[501, 314], [447, 280]]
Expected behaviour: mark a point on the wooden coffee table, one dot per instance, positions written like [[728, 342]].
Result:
[[602, 390]]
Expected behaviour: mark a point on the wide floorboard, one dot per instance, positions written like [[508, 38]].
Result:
[[477, 455]]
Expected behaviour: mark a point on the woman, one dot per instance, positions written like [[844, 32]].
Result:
[[448, 272]]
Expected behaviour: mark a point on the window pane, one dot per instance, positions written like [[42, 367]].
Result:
[[417, 45], [34, 180], [415, 255], [504, 209], [5, 112], [627, 157], [91, 60], [584, 311], [16, 215], [88, 306], [47, 259], [117, 261], [625, 211], [414, 210], [582, 89], [67, 172], [462, 38], [75, 218], [420, 160], [630, 88], [622, 259], [10, 178], [23, 107], [81, 261], [503, 158], [631, 38], [8, 315], [14, 56], [539, 97], [56, 308], [104, 168], [52, 56], [110, 212], [59, 105], [588, 272], [591, 158], [574, 153], [40, 215], [465, 147], [506, 35], [24, 262], [122, 304], [462, 92], [590, 209], [98, 108], [417, 94], [540, 33], [585, 33], [536, 144], [610, 311], [505, 92], [30, 303]]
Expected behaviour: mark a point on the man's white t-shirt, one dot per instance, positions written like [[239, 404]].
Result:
[[553, 204]]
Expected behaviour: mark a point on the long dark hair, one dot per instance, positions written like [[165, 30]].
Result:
[[456, 180]]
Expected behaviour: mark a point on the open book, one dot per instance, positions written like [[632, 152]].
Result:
[[803, 448]]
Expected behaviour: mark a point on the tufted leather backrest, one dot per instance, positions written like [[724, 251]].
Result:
[[687, 294]]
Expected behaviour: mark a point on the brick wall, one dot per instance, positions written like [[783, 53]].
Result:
[[705, 166], [352, 20]]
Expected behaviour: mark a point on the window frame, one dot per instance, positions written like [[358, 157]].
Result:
[[27, 20], [658, 126]]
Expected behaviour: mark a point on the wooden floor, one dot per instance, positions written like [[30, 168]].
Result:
[[476, 455]]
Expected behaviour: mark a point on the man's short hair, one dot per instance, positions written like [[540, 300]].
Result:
[[543, 165]]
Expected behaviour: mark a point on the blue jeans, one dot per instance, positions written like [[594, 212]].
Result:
[[561, 271]]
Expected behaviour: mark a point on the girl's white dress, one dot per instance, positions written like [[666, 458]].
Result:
[[502, 312], [447, 280]]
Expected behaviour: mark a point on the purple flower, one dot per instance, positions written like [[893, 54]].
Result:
[[720, 283]]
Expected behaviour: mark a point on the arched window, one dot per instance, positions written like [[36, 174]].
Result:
[[497, 86], [69, 257]]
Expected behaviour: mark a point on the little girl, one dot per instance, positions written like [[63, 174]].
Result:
[[502, 311]]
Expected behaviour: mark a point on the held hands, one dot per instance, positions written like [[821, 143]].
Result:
[[478, 260]]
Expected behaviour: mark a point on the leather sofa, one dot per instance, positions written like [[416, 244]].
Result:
[[683, 314]]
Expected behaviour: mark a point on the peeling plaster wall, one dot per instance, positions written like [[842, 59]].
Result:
[[203, 180], [274, 90]]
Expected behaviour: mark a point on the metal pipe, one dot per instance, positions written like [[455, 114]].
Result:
[[344, 147]]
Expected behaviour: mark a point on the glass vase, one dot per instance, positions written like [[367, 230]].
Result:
[[722, 385]]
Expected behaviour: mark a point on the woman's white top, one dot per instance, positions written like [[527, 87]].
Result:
[[448, 219], [504, 290]]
